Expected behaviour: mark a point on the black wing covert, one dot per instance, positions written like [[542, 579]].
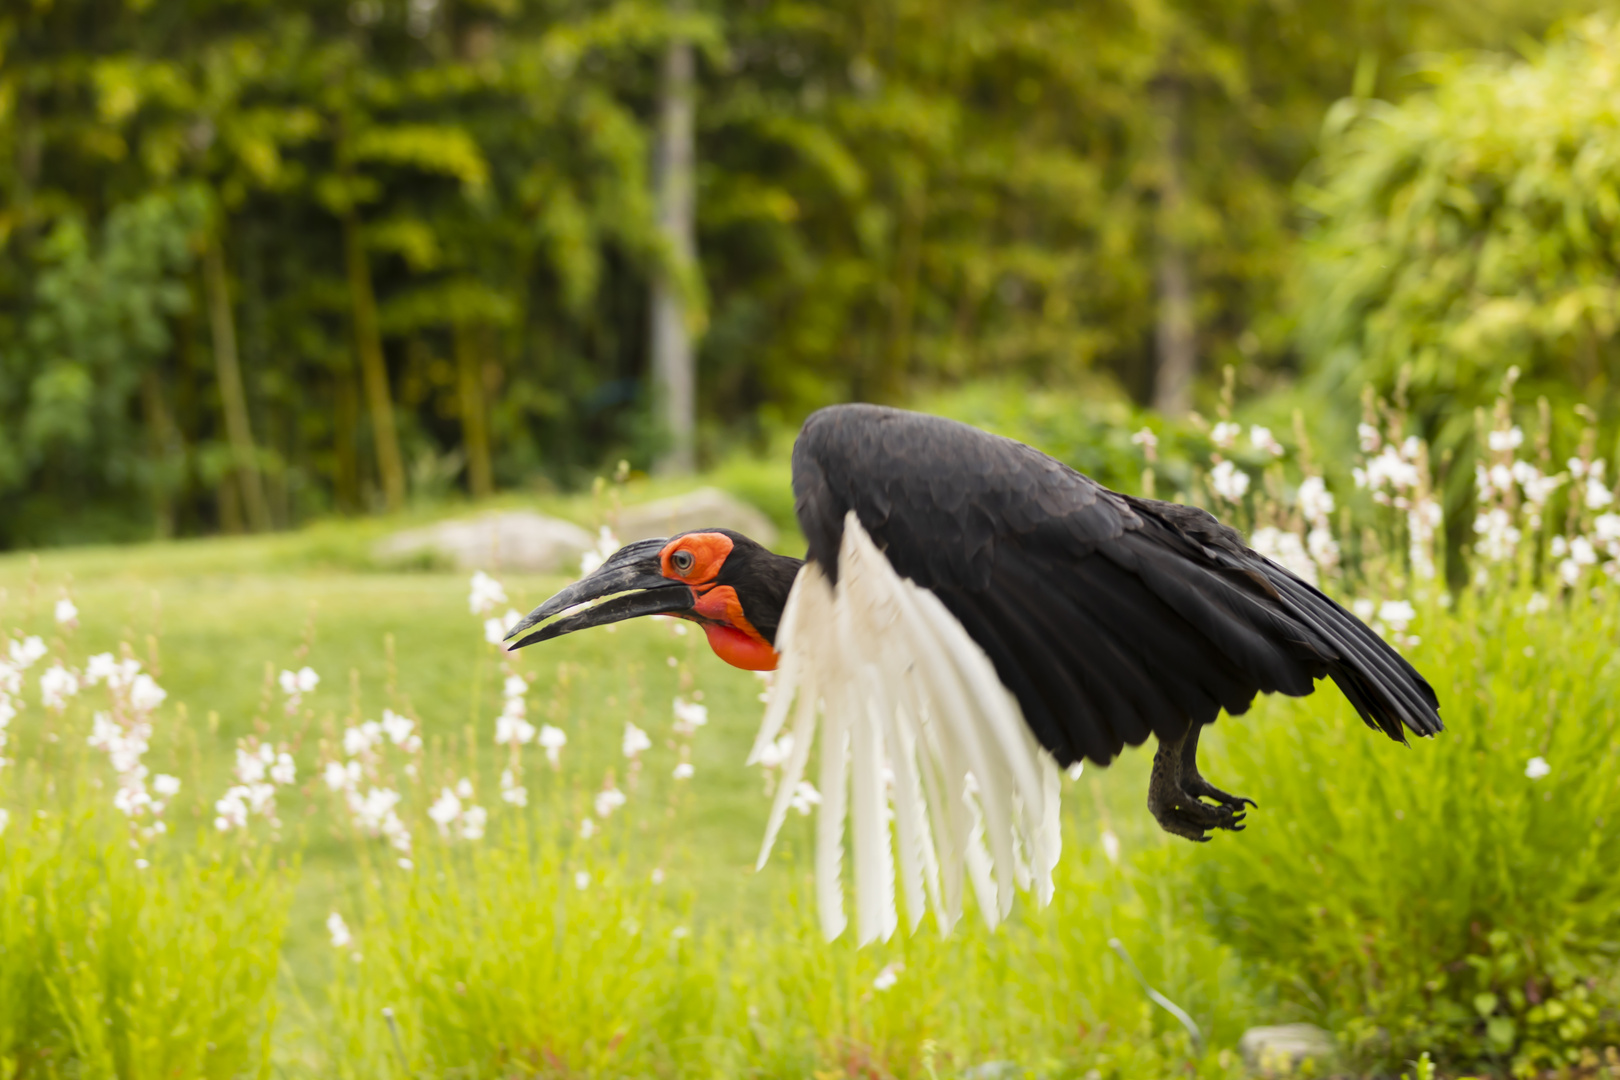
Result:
[[1107, 616]]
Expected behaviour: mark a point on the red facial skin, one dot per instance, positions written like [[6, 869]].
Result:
[[718, 610]]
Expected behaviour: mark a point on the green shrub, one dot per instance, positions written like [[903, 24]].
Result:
[[1446, 897], [1469, 229]]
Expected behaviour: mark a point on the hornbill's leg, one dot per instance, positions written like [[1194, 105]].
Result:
[[1174, 788], [1193, 783]]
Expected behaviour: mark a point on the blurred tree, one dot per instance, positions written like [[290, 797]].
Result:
[[674, 389], [1473, 228], [429, 238]]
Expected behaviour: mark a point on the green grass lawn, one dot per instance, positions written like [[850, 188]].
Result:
[[216, 619]]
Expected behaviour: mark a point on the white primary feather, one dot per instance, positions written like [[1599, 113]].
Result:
[[914, 715]]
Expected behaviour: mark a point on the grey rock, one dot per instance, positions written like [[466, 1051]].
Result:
[[994, 1070], [704, 508], [507, 540], [1283, 1050]]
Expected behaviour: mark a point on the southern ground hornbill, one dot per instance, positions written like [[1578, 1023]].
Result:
[[971, 616]]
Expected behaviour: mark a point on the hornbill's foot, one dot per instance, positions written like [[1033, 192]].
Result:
[[1180, 814], [1175, 790], [1198, 787]]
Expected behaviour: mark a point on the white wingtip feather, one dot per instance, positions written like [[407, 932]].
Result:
[[902, 689]]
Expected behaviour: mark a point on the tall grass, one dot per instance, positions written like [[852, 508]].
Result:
[[119, 964]]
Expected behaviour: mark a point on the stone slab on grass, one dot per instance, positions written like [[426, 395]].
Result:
[[705, 508], [518, 540], [1283, 1050]]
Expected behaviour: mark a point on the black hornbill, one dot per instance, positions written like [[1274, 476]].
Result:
[[971, 615]]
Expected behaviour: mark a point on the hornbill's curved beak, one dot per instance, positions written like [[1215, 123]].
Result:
[[629, 584]]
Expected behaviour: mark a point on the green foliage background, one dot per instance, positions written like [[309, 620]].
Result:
[[892, 197]]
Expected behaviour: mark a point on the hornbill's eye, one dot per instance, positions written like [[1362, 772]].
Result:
[[682, 561]]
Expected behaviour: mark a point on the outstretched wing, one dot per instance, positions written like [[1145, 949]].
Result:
[[1108, 617], [912, 717], [937, 553]]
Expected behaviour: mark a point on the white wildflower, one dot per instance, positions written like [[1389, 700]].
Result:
[[337, 775], [250, 767], [1285, 549], [1229, 481], [132, 799], [67, 613], [1322, 547], [1368, 437], [1537, 604], [515, 731], [552, 740], [606, 545], [1396, 614], [1315, 500], [608, 800], [284, 771], [888, 976], [464, 788], [232, 810], [496, 627], [339, 931], [1262, 439], [445, 810], [166, 785], [1536, 768], [684, 771], [145, 694], [303, 681], [26, 651], [1391, 469], [1504, 441], [56, 685], [1225, 434], [1597, 493], [582, 880], [485, 594], [1148, 441], [1110, 845], [511, 791], [635, 741], [587, 828], [473, 820], [398, 729], [689, 716], [1499, 537]]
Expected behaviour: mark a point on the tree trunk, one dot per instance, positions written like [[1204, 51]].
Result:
[[1176, 359], [674, 391], [902, 312], [233, 399], [163, 441], [474, 422], [373, 371], [346, 432]]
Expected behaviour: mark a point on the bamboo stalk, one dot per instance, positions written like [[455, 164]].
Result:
[[232, 397], [373, 371]]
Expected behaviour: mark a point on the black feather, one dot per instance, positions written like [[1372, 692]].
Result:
[[1106, 616]]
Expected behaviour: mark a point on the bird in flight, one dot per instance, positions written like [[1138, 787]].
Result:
[[972, 616]]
